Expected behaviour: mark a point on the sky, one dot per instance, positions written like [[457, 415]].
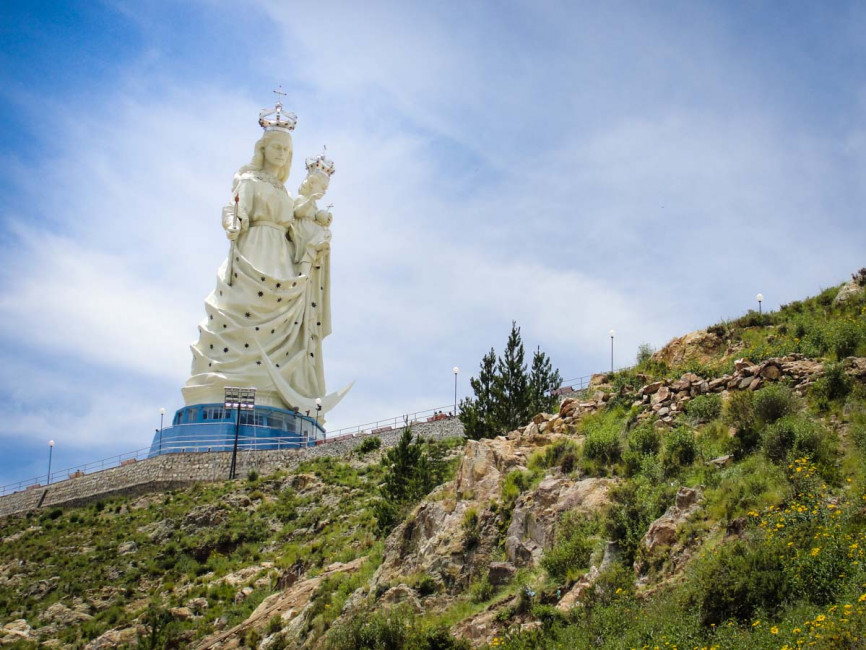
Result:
[[576, 167]]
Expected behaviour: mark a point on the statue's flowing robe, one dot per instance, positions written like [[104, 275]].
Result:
[[271, 319]]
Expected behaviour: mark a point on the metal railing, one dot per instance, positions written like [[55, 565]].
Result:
[[396, 422]]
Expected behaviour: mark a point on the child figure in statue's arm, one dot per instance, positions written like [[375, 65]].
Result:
[[312, 232]]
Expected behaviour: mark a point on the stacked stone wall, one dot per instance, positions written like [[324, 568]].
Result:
[[171, 471]]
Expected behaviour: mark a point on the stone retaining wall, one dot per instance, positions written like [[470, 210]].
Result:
[[171, 471]]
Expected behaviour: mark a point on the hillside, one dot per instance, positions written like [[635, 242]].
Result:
[[712, 496]]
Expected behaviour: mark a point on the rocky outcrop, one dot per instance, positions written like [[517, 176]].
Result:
[[16, 631], [852, 288], [662, 537], [434, 539], [291, 605], [536, 514], [701, 346]]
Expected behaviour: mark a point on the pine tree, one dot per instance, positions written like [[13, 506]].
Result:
[[543, 381], [506, 396], [413, 467], [511, 384], [401, 462], [477, 415]]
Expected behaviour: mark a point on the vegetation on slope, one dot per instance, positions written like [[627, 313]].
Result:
[[770, 555], [216, 550]]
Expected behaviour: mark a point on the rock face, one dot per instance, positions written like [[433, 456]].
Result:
[[533, 523], [662, 535], [434, 539], [701, 346]]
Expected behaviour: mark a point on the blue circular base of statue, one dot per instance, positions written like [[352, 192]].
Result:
[[212, 427]]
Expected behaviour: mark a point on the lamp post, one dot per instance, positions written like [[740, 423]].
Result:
[[612, 333], [456, 372], [318, 410], [161, 417], [240, 399], [50, 453], [760, 298]]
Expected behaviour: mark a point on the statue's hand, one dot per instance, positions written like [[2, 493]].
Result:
[[232, 233]]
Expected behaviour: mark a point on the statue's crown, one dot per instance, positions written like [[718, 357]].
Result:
[[276, 120], [321, 163]]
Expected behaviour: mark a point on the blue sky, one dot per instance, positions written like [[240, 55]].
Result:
[[574, 166]]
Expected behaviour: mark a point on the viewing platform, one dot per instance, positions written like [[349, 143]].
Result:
[[212, 427]]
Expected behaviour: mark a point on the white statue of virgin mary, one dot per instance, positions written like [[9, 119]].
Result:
[[266, 319]]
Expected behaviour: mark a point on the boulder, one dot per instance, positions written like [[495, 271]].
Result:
[[180, 613], [742, 365], [650, 389], [663, 531], [501, 573], [848, 291], [16, 630], [126, 548], [62, 615], [117, 638], [721, 461], [401, 594], [770, 371], [204, 517]]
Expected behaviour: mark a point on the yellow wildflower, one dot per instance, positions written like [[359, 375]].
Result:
[[774, 630]]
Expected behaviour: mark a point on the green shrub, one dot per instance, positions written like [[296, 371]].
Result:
[[680, 448], [252, 476], [845, 338], [773, 403], [396, 629], [704, 408], [735, 581], [739, 412], [574, 541], [753, 484], [602, 445], [858, 429], [481, 591], [602, 432], [426, 586], [471, 533], [643, 439], [835, 384], [516, 483], [370, 444], [275, 624], [778, 440], [554, 454], [635, 504]]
